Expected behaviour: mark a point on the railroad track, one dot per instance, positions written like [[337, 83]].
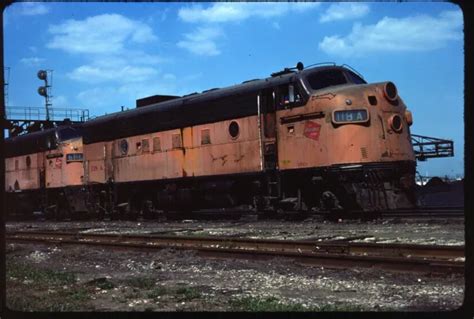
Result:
[[397, 257], [213, 214]]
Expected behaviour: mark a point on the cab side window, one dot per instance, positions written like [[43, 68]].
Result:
[[289, 96]]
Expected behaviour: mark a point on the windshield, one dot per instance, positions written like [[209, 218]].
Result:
[[332, 77], [322, 79], [68, 132], [354, 78]]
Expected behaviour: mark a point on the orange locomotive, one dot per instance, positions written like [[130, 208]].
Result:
[[305, 139]]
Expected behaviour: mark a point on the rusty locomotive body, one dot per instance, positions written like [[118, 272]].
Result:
[[319, 138]]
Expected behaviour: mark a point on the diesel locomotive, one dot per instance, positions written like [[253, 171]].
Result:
[[303, 139]]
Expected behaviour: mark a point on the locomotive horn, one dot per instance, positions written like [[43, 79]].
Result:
[[300, 66]]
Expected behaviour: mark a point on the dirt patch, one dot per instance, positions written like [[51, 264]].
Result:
[[74, 278]]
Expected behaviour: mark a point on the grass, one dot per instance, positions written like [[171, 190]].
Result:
[[102, 283], [39, 276], [188, 293], [272, 304], [156, 292], [34, 289], [141, 282]]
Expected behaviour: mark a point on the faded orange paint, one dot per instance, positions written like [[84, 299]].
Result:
[[26, 177], [72, 171], [327, 144], [346, 143], [94, 165], [224, 155]]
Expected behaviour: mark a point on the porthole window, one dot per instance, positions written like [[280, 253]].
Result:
[[123, 147], [234, 129], [28, 161]]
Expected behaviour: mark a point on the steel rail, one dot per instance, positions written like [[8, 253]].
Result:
[[405, 257]]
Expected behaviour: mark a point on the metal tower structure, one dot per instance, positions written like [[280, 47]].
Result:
[[26, 119]]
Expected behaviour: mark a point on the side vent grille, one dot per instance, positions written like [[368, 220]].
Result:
[[363, 152]]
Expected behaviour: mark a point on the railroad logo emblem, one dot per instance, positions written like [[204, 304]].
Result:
[[58, 163], [311, 130]]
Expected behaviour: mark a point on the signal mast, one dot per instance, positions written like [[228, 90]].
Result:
[[46, 89]]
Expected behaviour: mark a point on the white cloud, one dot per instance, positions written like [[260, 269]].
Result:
[[112, 73], [416, 33], [60, 101], [238, 11], [99, 97], [169, 76], [98, 34], [202, 41], [344, 11], [112, 97], [32, 8], [109, 42], [33, 61]]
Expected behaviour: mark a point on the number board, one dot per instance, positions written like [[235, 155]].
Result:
[[74, 157], [350, 116]]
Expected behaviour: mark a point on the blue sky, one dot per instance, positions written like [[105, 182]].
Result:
[[105, 55]]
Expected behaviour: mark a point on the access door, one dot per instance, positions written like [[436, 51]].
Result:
[[268, 130]]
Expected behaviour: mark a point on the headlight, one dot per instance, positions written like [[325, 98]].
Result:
[[395, 122], [390, 91]]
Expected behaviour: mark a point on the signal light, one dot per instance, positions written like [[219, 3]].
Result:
[[390, 91], [42, 91], [42, 74]]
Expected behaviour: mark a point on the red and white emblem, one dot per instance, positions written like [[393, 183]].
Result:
[[58, 162], [311, 130]]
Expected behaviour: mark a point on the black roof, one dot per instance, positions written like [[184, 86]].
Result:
[[30, 143], [213, 105]]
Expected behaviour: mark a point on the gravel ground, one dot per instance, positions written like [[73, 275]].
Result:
[[168, 280], [440, 232]]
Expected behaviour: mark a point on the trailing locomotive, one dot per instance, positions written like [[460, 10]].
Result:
[[304, 139]]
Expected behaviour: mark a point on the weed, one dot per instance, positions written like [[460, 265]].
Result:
[[44, 290], [158, 291], [188, 293], [342, 308], [132, 294], [103, 283], [199, 233], [141, 282], [58, 301], [40, 276], [269, 304], [79, 295]]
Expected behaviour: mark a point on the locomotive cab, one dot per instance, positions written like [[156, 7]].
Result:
[[350, 134]]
